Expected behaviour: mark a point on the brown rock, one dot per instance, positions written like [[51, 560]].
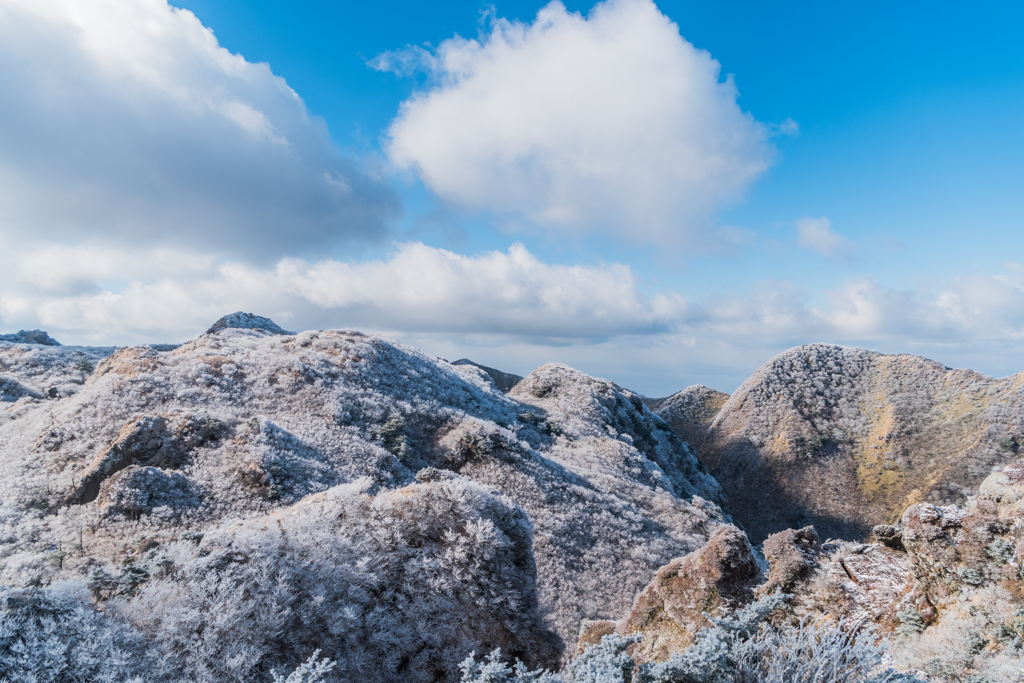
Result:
[[889, 535], [591, 633], [144, 441], [671, 609], [792, 555]]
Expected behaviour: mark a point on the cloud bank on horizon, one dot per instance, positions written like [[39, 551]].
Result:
[[151, 181]]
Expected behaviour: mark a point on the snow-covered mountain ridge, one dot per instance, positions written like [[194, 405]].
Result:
[[110, 454]]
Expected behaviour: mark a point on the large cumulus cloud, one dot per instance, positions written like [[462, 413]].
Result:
[[611, 123], [125, 121]]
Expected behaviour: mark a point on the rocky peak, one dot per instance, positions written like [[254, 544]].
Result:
[[247, 321], [30, 337]]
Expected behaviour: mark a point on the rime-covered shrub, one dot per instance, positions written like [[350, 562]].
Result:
[[717, 651], [494, 670], [605, 662], [310, 671], [743, 648], [400, 586], [54, 635]]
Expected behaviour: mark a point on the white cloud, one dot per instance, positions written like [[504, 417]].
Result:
[[134, 294], [817, 234], [124, 121], [510, 308], [417, 289], [611, 123]]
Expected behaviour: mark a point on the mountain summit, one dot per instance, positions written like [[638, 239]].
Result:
[[247, 321]]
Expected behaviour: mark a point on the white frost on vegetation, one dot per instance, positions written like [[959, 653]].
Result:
[[252, 422]]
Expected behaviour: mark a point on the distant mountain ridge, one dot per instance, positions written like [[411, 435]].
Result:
[[503, 380]]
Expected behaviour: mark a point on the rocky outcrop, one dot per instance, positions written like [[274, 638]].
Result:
[[846, 439], [503, 380], [952, 596], [690, 412], [152, 442], [713, 580], [792, 555], [30, 337], [951, 600], [247, 321]]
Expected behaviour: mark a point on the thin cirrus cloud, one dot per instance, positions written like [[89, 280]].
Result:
[[609, 123], [127, 122], [817, 235]]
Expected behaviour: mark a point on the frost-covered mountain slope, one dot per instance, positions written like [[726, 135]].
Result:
[[844, 438], [34, 370], [393, 587], [690, 412], [30, 337], [503, 380], [241, 422]]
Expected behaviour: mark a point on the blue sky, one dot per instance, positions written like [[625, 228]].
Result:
[[868, 189]]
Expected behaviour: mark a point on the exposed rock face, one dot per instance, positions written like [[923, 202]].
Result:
[[30, 337], [240, 422], [845, 439], [889, 535], [671, 609], [792, 555], [953, 597], [246, 321], [690, 412], [503, 380], [144, 441], [953, 601]]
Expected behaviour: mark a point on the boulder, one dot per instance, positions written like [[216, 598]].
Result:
[[889, 535], [792, 555], [718, 577]]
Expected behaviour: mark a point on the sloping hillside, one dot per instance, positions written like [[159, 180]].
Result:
[[690, 412], [140, 445], [845, 438]]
